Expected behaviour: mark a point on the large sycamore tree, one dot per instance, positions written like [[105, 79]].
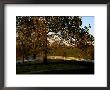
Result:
[[32, 33]]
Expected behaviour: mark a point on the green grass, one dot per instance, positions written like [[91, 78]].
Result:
[[55, 67]]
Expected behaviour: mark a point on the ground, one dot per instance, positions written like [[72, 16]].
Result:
[[56, 67]]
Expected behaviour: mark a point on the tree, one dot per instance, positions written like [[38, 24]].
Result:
[[22, 37], [32, 33]]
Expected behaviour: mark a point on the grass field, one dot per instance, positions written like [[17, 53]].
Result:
[[56, 67]]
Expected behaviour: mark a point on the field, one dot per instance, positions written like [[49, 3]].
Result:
[[56, 67]]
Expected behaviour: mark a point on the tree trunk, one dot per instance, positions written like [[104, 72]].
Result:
[[45, 49], [45, 57], [34, 56], [23, 51], [23, 56]]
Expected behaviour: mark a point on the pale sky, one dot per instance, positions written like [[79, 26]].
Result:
[[86, 20]]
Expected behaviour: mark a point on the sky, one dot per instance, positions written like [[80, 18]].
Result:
[[86, 20]]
